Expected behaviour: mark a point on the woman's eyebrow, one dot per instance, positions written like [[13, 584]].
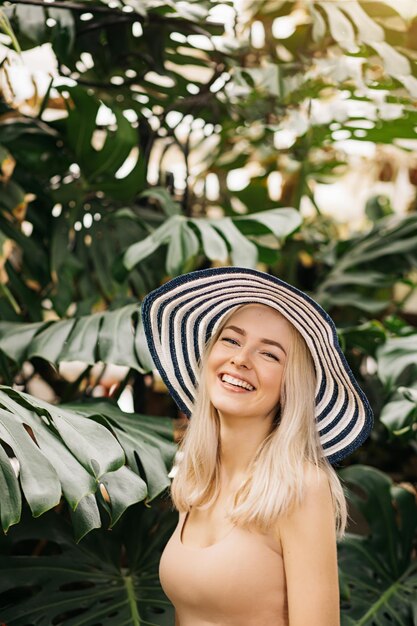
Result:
[[270, 342]]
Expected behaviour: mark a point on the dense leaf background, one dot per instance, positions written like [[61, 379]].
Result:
[[173, 136]]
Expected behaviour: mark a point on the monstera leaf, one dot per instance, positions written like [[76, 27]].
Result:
[[79, 452], [396, 360], [399, 415], [109, 578], [241, 238], [375, 261], [110, 336], [379, 569], [101, 166]]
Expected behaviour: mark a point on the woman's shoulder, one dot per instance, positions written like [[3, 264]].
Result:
[[315, 477], [316, 492], [315, 503]]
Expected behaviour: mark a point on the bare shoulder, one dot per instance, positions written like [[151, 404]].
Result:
[[310, 524], [317, 496], [316, 482], [314, 510]]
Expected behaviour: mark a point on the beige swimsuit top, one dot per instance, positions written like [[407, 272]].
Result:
[[238, 581]]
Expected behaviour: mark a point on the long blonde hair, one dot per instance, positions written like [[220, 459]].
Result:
[[276, 476]]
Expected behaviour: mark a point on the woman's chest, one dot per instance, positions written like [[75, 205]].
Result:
[[204, 528], [201, 528], [224, 578]]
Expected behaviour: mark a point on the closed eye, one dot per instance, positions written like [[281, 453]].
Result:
[[230, 340], [272, 356]]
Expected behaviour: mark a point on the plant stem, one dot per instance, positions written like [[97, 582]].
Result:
[[382, 600], [130, 589]]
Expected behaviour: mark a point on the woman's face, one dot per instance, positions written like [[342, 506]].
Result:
[[245, 365]]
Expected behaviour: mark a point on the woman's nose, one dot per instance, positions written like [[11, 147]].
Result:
[[241, 358]]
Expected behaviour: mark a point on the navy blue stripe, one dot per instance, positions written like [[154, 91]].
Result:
[[337, 418], [155, 357], [330, 404], [356, 443], [173, 353]]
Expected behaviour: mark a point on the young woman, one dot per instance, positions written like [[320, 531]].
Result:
[[256, 364]]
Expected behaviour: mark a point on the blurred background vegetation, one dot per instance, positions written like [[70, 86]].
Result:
[[140, 139]]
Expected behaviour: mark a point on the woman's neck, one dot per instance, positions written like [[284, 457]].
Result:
[[239, 441]]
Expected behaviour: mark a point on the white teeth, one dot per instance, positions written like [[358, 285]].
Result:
[[236, 381]]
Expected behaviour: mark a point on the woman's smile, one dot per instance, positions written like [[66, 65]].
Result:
[[236, 384]]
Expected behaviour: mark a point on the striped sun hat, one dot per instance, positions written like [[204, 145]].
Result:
[[180, 316]]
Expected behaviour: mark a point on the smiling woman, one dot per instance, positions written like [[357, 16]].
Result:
[[244, 369], [257, 365]]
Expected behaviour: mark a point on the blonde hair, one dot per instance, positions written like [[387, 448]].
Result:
[[276, 476]]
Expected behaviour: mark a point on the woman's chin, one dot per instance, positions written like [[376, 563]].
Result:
[[229, 400]]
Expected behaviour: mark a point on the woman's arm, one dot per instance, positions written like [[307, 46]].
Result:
[[308, 539], [177, 621]]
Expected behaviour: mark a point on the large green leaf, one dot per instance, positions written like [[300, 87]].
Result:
[[374, 261], [213, 244], [379, 568], [58, 450], [111, 337], [182, 246], [100, 166], [49, 341], [109, 578], [11, 500], [396, 357], [81, 122], [141, 437], [366, 337], [38, 478], [16, 337], [399, 415], [76, 451]]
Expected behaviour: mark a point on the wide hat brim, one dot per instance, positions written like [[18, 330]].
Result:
[[180, 317]]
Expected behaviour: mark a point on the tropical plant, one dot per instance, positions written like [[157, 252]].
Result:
[[108, 578], [379, 568], [163, 144]]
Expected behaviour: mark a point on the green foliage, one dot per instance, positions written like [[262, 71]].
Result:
[[379, 569], [107, 578], [110, 172], [77, 451], [217, 239], [399, 414], [110, 337], [370, 263]]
